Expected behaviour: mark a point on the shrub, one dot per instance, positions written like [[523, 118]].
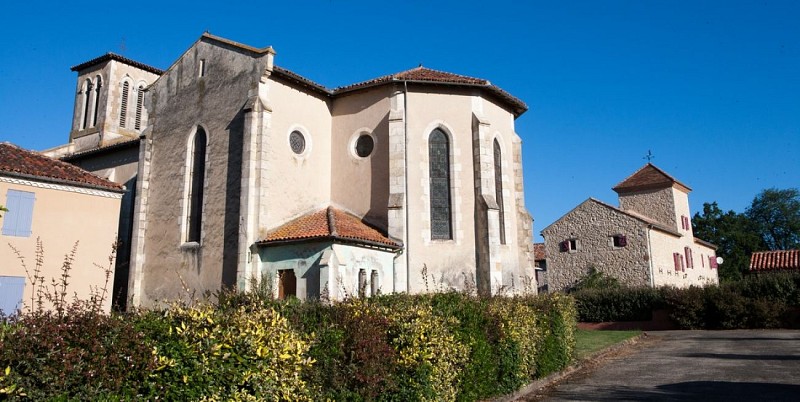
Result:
[[219, 355], [557, 331], [516, 343], [81, 354], [617, 304]]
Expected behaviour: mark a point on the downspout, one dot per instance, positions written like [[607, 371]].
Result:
[[405, 183], [650, 257]]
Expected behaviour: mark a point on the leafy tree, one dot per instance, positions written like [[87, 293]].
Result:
[[735, 235], [776, 216]]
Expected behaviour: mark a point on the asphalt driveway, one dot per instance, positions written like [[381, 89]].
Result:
[[746, 365]]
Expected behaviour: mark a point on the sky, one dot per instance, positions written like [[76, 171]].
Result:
[[710, 88]]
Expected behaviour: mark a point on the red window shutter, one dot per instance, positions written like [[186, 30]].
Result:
[[676, 262], [712, 262], [564, 245], [623, 241], [683, 265], [689, 260]]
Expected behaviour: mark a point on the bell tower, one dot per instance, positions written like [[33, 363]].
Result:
[[109, 101]]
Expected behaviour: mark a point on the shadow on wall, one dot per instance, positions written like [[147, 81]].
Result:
[[233, 191]]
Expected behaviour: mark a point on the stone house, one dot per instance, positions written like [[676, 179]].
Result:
[[58, 204], [646, 241], [247, 170]]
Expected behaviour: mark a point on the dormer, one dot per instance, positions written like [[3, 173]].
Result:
[[655, 194], [109, 101]]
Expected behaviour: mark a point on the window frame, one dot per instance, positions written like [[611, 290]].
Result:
[[17, 205], [194, 198], [441, 194]]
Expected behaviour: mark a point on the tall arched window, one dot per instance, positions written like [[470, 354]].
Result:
[[498, 189], [139, 102], [123, 110], [96, 103], [196, 172], [87, 93], [439, 161]]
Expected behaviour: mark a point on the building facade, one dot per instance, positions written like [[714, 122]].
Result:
[[60, 207], [646, 241], [375, 182]]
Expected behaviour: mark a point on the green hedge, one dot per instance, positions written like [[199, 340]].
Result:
[[764, 301], [446, 346]]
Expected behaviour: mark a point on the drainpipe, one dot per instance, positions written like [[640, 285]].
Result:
[[650, 257], [405, 184]]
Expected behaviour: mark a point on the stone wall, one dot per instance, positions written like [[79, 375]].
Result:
[[593, 224], [655, 204]]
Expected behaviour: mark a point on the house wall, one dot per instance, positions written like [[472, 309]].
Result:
[[593, 225], [361, 185], [62, 216], [327, 269], [664, 273], [180, 102], [295, 184], [656, 204]]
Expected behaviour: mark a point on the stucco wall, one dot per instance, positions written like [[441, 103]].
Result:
[[63, 215], [326, 269], [593, 226], [296, 184], [361, 185], [664, 273], [180, 102]]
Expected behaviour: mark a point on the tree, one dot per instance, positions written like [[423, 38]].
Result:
[[734, 234], [776, 216]]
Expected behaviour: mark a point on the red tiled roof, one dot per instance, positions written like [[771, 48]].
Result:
[[424, 74], [15, 161], [775, 260], [648, 177], [329, 223], [113, 56], [538, 252]]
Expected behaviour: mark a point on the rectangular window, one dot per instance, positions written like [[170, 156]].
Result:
[[11, 290], [620, 240], [569, 245], [362, 283], [201, 71], [19, 218], [287, 284], [676, 261], [373, 284]]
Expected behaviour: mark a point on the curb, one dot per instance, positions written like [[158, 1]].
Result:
[[554, 378]]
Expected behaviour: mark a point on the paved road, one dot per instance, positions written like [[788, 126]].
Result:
[[747, 365]]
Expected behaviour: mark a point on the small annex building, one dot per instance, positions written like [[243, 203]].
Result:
[[245, 169], [646, 241], [57, 204]]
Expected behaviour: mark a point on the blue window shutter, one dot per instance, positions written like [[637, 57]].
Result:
[[11, 288], [19, 218]]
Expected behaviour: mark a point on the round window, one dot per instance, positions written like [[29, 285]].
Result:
[[297, 142], [364, 145]]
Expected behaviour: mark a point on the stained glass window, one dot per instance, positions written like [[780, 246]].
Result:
[[364, 145], [297, 142], [439, 157]]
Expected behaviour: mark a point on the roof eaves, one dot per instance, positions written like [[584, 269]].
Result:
[[100, 150], [113, 56], [299, 79], [46, 179]]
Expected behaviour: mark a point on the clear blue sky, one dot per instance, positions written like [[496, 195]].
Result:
[[711, 87]]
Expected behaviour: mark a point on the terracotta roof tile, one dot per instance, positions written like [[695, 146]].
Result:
[[775, 260], [15, 161], [424, 74], [648, 177], [329, 223]]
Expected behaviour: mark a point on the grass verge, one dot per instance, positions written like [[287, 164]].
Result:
[[588, 342]]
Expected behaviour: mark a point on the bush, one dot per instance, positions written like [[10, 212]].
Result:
[[516, 343], [617, 304], [81, 354], [557, 332]]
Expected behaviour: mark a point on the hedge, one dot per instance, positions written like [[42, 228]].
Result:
[[764, 301], [444, 346]]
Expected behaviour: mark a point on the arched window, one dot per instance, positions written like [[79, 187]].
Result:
[[139, 102], [123, 110], [196, 172], [498, 189], [98, 85], [439, 161], [87, 91]]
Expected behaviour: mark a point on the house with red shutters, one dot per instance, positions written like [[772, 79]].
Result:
[[645, 241]]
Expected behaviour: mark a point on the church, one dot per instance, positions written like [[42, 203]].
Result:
[[237, 169]]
